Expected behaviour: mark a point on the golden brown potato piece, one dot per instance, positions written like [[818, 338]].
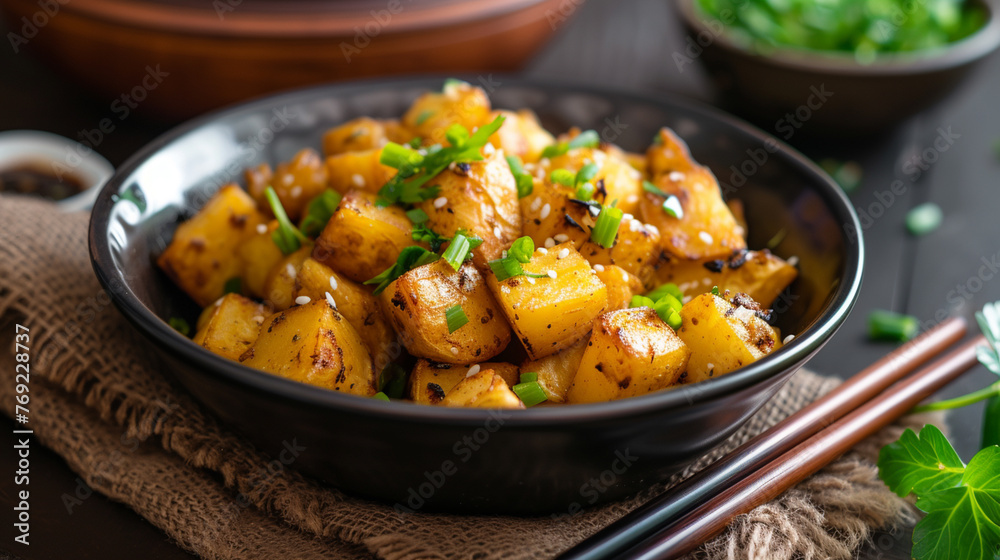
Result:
[[631, 352], [521, 135], [354, 301], [739, 214], [723, 336], [417, 302], [200, 257], [668, 153], [297, 182], [359, 135], [258, 178], [759, 274], [361, 240], [231, 326], [621, 181], [486, 389], [433, 113], [621, 285], [314, 344], [430, 381], [551, 313], [279, 288], [258, 255], [357, 170], [480, 197], [556, 371]]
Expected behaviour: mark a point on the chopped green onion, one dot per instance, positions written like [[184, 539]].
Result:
[[669, 312], [423, 234], [400, 157], [415, 142], [715, 290], [529, 377], [453, 82], [180, 325], [562, 177], [886, 325], [522, 249], [672, 206], [423, 116], [319, 211], [923, 219], [606, 229], [506, 268], [456, 318], [530, 393], [847, 174], [392, 381], [457, 135], [458, 250], [381, 397], [233, 286], [525, 183], [651, 188], [586, 173], [287, 237], [409, 258], [585, 192], [641, 301], [665, 289], [417, 216], [586, 139]]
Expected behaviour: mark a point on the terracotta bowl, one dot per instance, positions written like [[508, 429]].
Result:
[[179, 58]]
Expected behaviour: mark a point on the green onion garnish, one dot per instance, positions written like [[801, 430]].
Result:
[[400, 157], [529, 377], [715, 290], [319, 211], [409, 258], [392, 381], [380, 396], [423, 116], [180, 325], [586, 139], [669, 309], [453, 82], [923, 219], [641, 301], [671, 204], [651, 188], [585, 192], [886, 325], [525, 183], [456, 318], [522, 249], [530, 393], [458, 250], [606, 229], [562, 177], [664, 289], [506, 268], [510, 266], [586, 173], [415, 143], [233, 286], [287, 237], [417, 216], [847, 174], [422, 233]]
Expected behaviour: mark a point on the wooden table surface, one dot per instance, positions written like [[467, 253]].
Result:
[[624, 44]]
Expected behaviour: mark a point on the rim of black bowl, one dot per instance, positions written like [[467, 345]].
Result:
[[790, 355], [964, 51]]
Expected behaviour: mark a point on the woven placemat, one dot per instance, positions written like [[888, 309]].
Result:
[[102, 401]]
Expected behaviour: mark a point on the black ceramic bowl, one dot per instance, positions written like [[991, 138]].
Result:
[[532, 461], [830, 92]]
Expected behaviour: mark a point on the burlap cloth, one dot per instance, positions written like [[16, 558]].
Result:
[[100, 399]]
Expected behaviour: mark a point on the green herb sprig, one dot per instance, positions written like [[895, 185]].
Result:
[[318, 213], [520, 252], [586, 139], [287, 237], [665, 301], [525, 183]]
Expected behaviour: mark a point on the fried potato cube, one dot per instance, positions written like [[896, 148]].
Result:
[[200, 259], [557, 371], [723, 336], [621, 181], [631, 352], [621, 285], [314, 344], [231, 326], [359, 135], [521, 135], [429, 381], [296, 182], [357, 170], [759, 274], [486, 389], [279, 288], [362, 239], [354, 301], [416, 304], [433, 113], [480, 197], [552, 312], [258, 255]]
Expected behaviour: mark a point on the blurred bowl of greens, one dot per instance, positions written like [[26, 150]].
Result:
[[835, 66]]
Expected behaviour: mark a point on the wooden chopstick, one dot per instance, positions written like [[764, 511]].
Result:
[[711, 517], [767, 446]]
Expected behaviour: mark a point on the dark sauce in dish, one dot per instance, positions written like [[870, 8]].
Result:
[[34, 179]]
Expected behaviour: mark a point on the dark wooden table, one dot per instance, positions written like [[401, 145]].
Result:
[[624, 44]]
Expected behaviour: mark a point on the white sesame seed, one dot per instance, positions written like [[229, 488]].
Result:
[[296, 191], [543, 250], [625, 276], [627, 217], [333, 283], [636, 175], [676, 176], [706, 237], [634, 225], [552, 274], [668, 152], [561, 238], [454, 350], [440, 201], [544, 162], [472, 371], [286, 180], [261, 229], [530, 280], [358, 180], [497, 232], [329, 299], [536, 204], [489, 149], [686, 299], [710, 366], [218, 302], [652, 229], [599, 267], [788, 339], [422, 151], [452, 166], [632, 198], [550, 243], [545, 211], [793, 260], [302, 300], [563, 253], [259, 319], [290, 270]]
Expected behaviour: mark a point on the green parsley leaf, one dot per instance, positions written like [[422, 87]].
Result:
[[920, 464], [287, 237], [318, 212], [423, 234], [392, 381], [417, 216], [409, 258], [522, 249], [179, 325]]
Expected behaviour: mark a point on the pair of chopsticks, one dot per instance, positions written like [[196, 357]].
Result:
[[701, 507]]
